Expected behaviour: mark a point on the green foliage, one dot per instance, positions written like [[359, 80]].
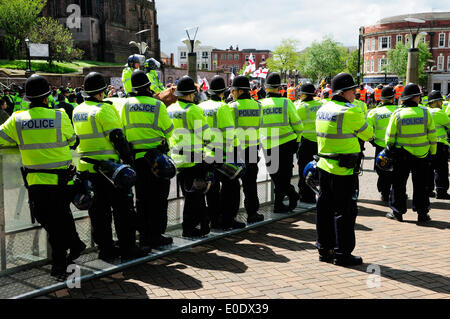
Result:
[[49, 30], [352, 65], [17, 18], [323, 59], [284, 58]]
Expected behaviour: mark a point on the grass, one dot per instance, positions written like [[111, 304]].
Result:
[[56, 67]]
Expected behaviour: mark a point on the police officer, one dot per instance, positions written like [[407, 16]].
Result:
[[132, 65], [98, 125], [281, 129], [187, 150], [150, 67], [44, 137], [339, 124], [439, 171], [148, 127], [224, 197], [246, 114], [379, 119], [410, 141], [307, 108], [19, 103]]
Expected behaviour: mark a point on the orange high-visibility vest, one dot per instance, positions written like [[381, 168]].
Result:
[[290, 94], [282, 91], [378, 94], [363, 94], [398, 91]]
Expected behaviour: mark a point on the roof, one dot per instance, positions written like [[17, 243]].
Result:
[[427, 16]]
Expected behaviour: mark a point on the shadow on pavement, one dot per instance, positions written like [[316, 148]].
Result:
[[433, 223]]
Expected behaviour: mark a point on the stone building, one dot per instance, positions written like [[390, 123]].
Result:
[[107, 26], [379, 38]]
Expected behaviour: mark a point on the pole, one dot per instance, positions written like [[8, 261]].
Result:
[[359, 58], [192, 63]]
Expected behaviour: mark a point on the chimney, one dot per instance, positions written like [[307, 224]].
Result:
[[171, 59]]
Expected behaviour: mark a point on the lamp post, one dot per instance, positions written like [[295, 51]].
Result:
[[191, 44], [412, 74], [360, 39], [28, 71]]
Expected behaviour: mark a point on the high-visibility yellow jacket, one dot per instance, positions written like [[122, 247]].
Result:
[[191, 133], [43, 136], [20, 104], [126, 79], [441, 123], [412, 128], [307, 114], [280, 122], [93, 122], [362, 105], [156, 85], [247, 121], [338, 127], [146, 123], [379, 119]]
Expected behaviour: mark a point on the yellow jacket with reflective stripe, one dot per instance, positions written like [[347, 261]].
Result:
[[441, 123], [146, 122], [156, 85], [126, 79], [379, 119], [338, 127], [20, 104], [93, 121], [412, 128], [191, 130], [247, 121], [447, 110], [307, 114], [43, 136], [221, 124], [362, 105], [280, 122]]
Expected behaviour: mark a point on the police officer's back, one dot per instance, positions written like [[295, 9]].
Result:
[[44, 136]]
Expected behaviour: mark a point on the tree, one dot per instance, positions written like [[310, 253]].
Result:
[[323, 60], [59, 39], [284, 58], [398, 59], [352, 65], [16, 18]]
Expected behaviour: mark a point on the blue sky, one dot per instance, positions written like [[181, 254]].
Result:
[[262, 24]]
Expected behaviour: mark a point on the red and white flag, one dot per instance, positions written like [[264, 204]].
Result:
[[205, 85], [251, 67]]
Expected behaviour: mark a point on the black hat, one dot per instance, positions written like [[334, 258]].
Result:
[[36, 87], [435, 95], [139, 80], [240, 82], [185, 86], [273, 81], [307, 88], [387, 93], [342, 82], [94, 83], [217, 85], [411, 90]]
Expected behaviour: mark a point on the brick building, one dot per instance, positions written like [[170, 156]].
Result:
[[107, 26], [233, 59], [378, 39]]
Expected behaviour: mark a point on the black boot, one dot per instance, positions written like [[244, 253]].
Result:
[[347, 260]]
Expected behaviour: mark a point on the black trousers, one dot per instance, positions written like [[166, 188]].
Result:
[[50, 206], [194, 211], [336, 213], [108, 202], [249, 185], [280, 160], [384, 182], [306, 151], [438, 174], [151, 202], [419, 169]]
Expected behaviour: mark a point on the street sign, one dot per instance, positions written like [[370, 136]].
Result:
[[39, 50]]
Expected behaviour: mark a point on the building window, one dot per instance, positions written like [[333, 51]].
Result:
[[372, 65], [224, 56], [373, 44], [215, 56], [448, 65], [205, 54], [441, 40], [381, 63], [367, 45], [183, 55], [263, 58], [236, 57], [399, 39], [367, 66], [440, 63], [384, 43], [246, 58]]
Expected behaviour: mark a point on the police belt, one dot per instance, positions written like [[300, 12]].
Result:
[[64, 175], [345, 160]]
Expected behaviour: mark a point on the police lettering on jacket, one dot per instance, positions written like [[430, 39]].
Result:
[[176, 115], [142, 108], [383, 116], [210, 113], [314, 108], [244, 113], [38, 124], [412, 121], [80, 117], [327, 116], [273, 110]]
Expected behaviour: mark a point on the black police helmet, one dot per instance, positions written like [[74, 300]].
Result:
[[217, 85], [36, 87], [411, 90], [94, 83], [307, 88], [273, 81], [387, 93], [342, 82], [139, 80], [241, 83], [185, 86], [435, 95]]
